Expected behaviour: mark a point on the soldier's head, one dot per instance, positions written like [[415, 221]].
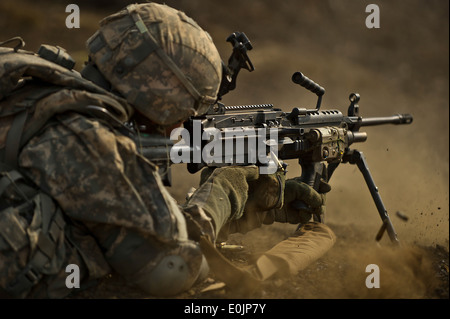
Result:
[[159, 60]]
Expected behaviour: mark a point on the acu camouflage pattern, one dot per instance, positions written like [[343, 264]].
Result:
[[36, 99], [34, 246], [90, 170], [122, 54], [117, 197]]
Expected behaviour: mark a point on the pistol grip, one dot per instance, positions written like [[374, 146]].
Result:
[[312, 173]]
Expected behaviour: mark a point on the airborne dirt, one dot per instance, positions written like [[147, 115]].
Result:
[[406, 272], [402, 67]]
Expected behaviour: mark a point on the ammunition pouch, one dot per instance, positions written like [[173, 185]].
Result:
[[31, 236]]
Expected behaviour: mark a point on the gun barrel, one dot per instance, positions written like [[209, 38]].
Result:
[[394, 119]]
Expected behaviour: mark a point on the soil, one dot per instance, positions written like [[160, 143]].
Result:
[[401, 67], [406, 272]]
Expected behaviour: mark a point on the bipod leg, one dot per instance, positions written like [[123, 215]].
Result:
[[357, 157]]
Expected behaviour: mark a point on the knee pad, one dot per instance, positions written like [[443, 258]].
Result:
[[172, 275], [174, 271]]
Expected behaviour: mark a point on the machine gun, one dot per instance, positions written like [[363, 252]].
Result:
[[320, 139]]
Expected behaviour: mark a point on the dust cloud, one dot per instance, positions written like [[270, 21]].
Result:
[[400, 68], [405, 271]]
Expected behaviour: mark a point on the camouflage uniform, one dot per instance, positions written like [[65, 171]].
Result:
[[120, 213], [109, 210], [117, 214]]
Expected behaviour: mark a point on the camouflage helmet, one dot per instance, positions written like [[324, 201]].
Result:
[[159, 59]]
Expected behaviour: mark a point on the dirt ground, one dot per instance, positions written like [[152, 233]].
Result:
[[401, 67], [406, 272]]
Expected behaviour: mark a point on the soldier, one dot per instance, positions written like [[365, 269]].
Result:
[[77, 191]]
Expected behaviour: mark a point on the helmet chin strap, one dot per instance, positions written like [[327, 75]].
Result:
[[92, 73], [145, 125]]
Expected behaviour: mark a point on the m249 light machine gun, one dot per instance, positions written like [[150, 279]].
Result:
[[320, 139]]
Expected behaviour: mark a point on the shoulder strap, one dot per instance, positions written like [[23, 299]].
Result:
[[10, 153], [14, 135]]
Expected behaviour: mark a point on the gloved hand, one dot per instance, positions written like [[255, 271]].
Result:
[[265, 193], [295, 190], [222, 195]]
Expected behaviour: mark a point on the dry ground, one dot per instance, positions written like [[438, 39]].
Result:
[[402, 67], [406, 272]]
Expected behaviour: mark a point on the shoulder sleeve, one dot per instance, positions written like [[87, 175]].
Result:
[[97, 177]]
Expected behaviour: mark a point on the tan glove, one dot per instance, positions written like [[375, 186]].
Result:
[[314, 203], [265, 193]]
